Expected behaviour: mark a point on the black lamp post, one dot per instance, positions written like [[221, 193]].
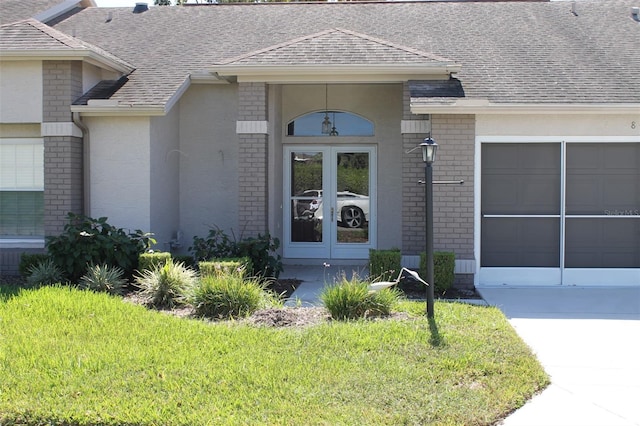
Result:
[[429, 148]]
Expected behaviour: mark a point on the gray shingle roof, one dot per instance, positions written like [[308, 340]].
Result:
[[17, 10], [335, 46], [32, 35], [510, 52]]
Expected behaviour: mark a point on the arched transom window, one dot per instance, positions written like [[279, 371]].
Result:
[[330, 123]]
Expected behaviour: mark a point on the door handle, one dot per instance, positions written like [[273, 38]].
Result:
[[331, 214]]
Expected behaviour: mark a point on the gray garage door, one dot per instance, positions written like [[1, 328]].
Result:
[[560, 205]]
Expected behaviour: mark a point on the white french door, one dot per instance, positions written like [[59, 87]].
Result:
[[330, 202]]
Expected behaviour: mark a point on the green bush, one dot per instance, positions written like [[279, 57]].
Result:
[[185, 259], [352, 300], [228, 296], [215, 267], [167, 285], [27, 260], [44, 273], [87, 241], [261, 250], [149, 260], [384, 265], [444, 265], [104, 278]]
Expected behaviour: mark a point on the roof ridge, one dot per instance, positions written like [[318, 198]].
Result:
[[395, 45], [57, 35], [277, 46], [65, 40]]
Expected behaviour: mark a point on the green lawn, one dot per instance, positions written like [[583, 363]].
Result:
[[74, 357]]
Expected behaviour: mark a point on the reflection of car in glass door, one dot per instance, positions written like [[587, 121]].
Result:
[[353, 209]]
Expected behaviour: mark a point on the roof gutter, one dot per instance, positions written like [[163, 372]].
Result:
[[483, 106], [336, 73], [73, 55]]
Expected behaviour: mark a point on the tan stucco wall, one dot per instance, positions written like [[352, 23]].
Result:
[[558, 125], [380, 103], [120, 171], [164, 181], [208, 160], [21, 88]]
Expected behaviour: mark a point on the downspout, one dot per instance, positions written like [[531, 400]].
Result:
[[86, 176]]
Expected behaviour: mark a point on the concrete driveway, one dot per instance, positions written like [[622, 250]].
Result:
[[588, 340]]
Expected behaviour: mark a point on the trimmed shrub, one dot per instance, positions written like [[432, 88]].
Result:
[[265, 261], [239, 265], [228, 296], [167, 285], [87, 241], [185, 259], [384, 265], [28, 260], [44, 273], [352, 299], [104, 278], [148, 261], [444, 265]]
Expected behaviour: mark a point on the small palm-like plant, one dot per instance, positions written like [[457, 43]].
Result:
[[104, 278], [353, 299], [168, 285], [228, 296], [44, 273]]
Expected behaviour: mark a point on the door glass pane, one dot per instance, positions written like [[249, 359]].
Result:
[[603, 179], [521, 242], [603, 243], [306, 196], [521, 179], [352, 198]]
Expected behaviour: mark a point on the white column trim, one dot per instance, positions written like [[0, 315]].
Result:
[[252, 127], [60, 129], [415, 126]]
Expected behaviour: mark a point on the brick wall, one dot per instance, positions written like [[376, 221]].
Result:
[[63, 156], [62, 84], [252, 164], [63, 187], [453, 204]]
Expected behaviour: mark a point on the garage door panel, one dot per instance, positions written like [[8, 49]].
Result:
[[603, 243], [578, 212], [529, 242]]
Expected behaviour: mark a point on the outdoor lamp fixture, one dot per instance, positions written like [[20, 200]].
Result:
[[326, 123], [334, 132], [429, 148]]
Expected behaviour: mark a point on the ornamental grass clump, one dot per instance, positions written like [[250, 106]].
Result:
[[44, 273], [104, 278], [352, 299], [168, 285], [228, 296]]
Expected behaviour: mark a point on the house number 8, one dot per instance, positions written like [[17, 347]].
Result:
[[633, 124]]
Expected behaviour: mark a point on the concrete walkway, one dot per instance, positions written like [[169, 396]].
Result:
[[588, 340], [314, 278]]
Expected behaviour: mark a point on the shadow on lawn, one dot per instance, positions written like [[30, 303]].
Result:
[[436, 339]]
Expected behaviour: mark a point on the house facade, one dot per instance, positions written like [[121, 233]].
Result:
[[304, 120]]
